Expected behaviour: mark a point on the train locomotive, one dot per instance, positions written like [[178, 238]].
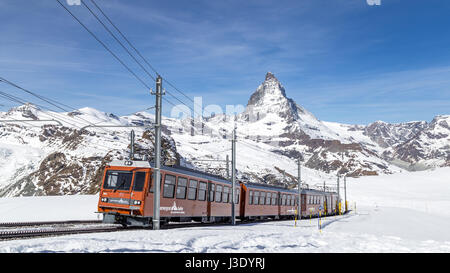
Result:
[[126, 197]]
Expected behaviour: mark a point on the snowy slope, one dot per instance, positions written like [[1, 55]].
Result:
[[394, 213], [63, 156], [54, 159]]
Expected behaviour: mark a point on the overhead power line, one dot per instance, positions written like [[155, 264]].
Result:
[[142, 57], [116, 57], [105, 46], [47, 100], [55, 116], [117, 40], [138, 52]]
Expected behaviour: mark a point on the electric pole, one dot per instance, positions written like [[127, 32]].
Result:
[[345, 191], [233, 176], [228, 167], [299, 189], [339, 196], [157, 169], [325, 201], [132, 145]]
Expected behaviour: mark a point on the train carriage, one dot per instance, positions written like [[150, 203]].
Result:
[[265, 201], [259, 201], [330, 203], [313, 202], [126, 196], [288, 203]]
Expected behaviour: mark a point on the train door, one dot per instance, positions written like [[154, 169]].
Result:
[[137, 192], [279, 203], [210, 199]]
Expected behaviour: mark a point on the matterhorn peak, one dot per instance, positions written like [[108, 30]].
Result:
[[270, 76], [269, 92], [270, 97], [269, 102]]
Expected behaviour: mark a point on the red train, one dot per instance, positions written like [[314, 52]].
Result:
[[126, 197]]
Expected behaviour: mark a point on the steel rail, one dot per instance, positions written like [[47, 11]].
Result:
[[46, 223], [22, 234]]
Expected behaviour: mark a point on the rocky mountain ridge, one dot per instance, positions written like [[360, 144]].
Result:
[[58, 156]]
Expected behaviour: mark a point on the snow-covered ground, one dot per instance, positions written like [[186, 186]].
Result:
[[404, 212]]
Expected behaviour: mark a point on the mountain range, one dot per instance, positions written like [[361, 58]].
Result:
[[55, 153]]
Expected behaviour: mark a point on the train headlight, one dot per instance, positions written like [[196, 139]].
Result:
[[104, 199], [137, 202]]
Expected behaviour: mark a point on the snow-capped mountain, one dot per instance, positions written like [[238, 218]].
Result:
[[388, 134], [57, 153], [57, 156], [429, 147]]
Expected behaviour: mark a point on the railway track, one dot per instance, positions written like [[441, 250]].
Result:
[[48, 223], [27, 230]]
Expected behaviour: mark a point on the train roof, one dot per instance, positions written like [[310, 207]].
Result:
[[176, 169], [268, 187], [208, 176], [283, 189]]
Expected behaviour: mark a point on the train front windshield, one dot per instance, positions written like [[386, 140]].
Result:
[[118, 180]]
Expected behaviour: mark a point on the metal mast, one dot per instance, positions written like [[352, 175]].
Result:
[[345, 192], [233, 176], [299, 189], [228, 167], [339, 196], [157, 169], [132, 145]]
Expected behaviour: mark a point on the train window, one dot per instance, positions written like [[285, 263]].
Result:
[[139, 181], [274, 199], [283, 200], [211, 192], [289, 200], [226, 192], [256, 198], [236, 196], [192, 191], [169, 186], [202, 191], [151, 182], [219, 193], [250, 198], [262, 198], [268, 198], [118, 180], [181, 188]]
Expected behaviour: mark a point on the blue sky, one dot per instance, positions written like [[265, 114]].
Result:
[[343, 60]]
